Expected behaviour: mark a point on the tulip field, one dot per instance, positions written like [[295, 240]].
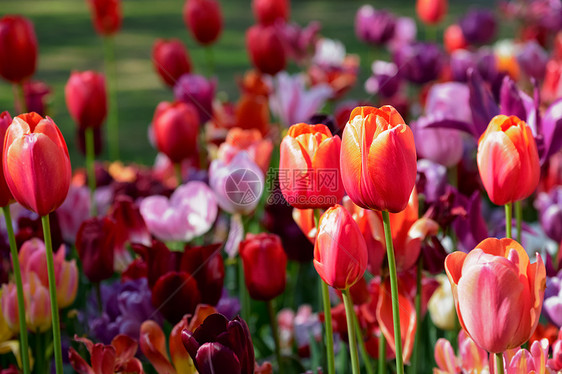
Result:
[[276, 186]]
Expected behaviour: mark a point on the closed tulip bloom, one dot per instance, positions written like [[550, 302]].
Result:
[[309, 172], [107, 16], [378, 159], [340, 251], [498, 293], [171, 60], [264, 265], [95, 244], [86, 98], [36, 163], [265, 48], [37, 304], [18, 48], [204, 20], [269, 11], [431, 12], [176, 127], [199, 91], [453, 38], [441, 305], [5, 194], [508, 160]]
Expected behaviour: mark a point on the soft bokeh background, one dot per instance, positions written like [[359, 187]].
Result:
[[67, 41]]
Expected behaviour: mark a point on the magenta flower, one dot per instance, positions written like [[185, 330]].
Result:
[[199, 91], [74, 210]]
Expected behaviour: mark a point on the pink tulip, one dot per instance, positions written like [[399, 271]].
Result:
[[37, 304], [73, 211]]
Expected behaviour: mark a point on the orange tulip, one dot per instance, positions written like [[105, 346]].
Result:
[[431, 12], [498, 293], [508, 160], [378, 159]]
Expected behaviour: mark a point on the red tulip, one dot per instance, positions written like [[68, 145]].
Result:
[[171, 60], [176, 127], [204, 20], [431, 12], [340, 251], [269, 11], [18, 48], [498, 293], [309, 174], [508, 160], [5, 194], [265, 265], [266, 49], [95, 243], [453, 38], [36, 163], [107, 16], [86, 98], [378, 159]]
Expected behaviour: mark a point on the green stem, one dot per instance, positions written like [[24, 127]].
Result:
[[177, 169], [415, 357], [394, 292], [508, 215], [499, 363], [19, 290], [53, 294], [382, 354], [349, 312], [210, 60], [112, 117], [90, 166], [243, 293], [20, 105], [362, 348], [519, 218], [328, 328], [275, 332]]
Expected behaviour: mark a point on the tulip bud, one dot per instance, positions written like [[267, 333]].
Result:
[[199, 91], [18, 48], [374, 26], [204, 20], [442, 305], [478, 26], [36, 96], [5, 194], [453, 38], [95, 243], [431, 12], [171, 60], [266, 49], [36, 163], [107, 16], [264, 266], [269, 11], [37, 304], [86, 98], [419, 62], [176, 127], [508, 160], [340, 251], [378, 159]]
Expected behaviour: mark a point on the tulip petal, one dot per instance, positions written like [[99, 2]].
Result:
[[216, 358], [153, 345], [78, 363], [445, 356]]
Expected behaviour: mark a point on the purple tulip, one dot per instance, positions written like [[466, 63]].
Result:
[[470, 228], [553, 299], [550, 130], [419, 62], [478, 26], [375, 27], [514, 102], [220, 346], [199, 91], [384, 80], [405, 33], [549, 206], [299, 41], [532, 59], [228, 306], [190, 212], [432, 180]]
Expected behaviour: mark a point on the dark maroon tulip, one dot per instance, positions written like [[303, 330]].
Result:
[[95, 243], [220, 346], [199, 91], [267, 12], [36, 94], [171, 60], [204, 20], [5, 194], [419, 62], [106, 15], [86, 98], [266, 49], [29, 228], [374, 26], [175, 294], [130, 226], [265, 265], [18, 48], [158, 259], [207, 266], [478, 26]]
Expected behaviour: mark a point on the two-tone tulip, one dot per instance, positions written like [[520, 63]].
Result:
[[5, 194]]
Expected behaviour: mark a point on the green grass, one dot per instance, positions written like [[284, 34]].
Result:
[[67, 42]]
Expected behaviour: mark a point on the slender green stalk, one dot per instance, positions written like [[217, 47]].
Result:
[[394, 292], [349, 312], [113, 113], [19, 290], [90, 166], [275, 332], [362, 348], [177, 169], [243, 293], [508, 215], [20, 105], [499, 363], [519, 218], [210, 60], [53, 294], [382, 354], [415, 356]]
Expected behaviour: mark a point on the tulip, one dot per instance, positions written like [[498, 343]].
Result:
[[37, 305], [199, 91], [73, 211], [265, 48], [264, 265], [204, 20], [116, 357], [453, 39], [498, 293], [220, 346], [9, 305], [5, 194], [378, 159], [374, 27], [419, 62], [532, 59], [299, 41], [18, 48], [549, 206], [106, 15], [508, 160], [309, 174], [442, 305], [478, 26], [36, 95], [431, 12], [206, 265], [95, 243], [176, 127], [36, 163], [86, 98], [252, 142], [171, 60], [552, 85], [384, 80], [553, 299], [267, 12]]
